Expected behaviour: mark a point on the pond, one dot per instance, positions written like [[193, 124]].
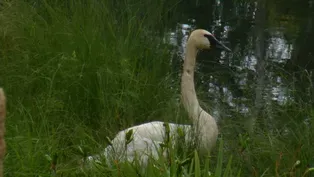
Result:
[[270, 67]]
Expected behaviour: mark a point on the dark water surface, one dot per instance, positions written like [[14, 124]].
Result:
[[270, 68]]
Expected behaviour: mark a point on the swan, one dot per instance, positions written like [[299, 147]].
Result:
[[143, 141], [2, 129]]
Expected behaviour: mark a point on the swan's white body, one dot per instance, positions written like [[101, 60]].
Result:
[[147, 137], [146, 142]]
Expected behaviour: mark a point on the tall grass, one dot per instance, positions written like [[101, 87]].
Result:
[[76, 72], [80, 70]]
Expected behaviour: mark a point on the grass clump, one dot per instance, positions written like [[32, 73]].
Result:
[[76, 72]]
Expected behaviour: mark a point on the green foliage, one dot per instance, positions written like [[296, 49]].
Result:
[[76, 72]]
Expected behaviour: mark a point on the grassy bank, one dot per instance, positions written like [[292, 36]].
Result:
[[78, 71]]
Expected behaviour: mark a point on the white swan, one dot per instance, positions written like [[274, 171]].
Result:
[[147, 137]]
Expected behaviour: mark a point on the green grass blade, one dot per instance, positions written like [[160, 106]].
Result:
[[219, 166]]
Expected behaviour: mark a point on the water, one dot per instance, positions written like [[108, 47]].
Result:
[[271, 64]]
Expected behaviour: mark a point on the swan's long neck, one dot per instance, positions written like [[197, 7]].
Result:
[[188, 93]]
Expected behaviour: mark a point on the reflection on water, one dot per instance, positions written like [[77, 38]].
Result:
[[233, 82], [279, 49]]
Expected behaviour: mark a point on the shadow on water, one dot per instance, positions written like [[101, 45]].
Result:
[[270, 68]]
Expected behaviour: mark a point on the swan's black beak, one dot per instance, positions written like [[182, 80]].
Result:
[[217, 44]]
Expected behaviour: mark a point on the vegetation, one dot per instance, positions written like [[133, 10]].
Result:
[[78, 71]]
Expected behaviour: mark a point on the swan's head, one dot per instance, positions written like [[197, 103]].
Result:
[[203, 39]]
